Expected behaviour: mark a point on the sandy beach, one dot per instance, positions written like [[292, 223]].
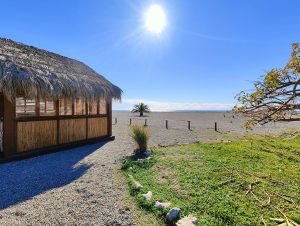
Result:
[[202, 126]]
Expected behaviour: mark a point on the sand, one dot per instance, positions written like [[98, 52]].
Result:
[[202, 125]]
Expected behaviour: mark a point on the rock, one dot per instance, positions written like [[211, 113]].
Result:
[[173, 214], [137, 185], [162, 205], [187, 221], [147, 196]]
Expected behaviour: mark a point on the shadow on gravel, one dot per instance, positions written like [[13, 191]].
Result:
[[22, 180]]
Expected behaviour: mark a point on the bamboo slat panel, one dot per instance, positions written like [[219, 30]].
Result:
[[97, 127], [71, 130], [36, 134]]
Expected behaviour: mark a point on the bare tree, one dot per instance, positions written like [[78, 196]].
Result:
[[275, 97]]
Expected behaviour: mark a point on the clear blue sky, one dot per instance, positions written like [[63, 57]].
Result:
[[209, 51]]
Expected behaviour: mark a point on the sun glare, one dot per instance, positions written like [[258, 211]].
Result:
[[155, 19]]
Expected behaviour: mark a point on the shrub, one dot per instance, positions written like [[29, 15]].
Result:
[[140, 136]]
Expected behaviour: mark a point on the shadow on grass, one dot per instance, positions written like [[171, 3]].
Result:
[[22, 180]]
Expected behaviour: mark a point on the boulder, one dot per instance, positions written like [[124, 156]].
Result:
[[187, 221], [148, 195], [162, 205], [173, 214]]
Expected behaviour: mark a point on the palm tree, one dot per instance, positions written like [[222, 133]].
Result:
[[141, 108]]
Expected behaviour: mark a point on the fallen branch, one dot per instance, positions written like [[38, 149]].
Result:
[[227, 182], [290, 200], [262, 219], [250, 190], [268, 201]]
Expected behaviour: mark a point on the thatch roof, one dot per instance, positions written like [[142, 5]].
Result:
[[39, 73]]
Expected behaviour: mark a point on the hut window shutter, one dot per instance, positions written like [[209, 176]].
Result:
[[25, 107], [102, 105], [93, 108], [47, 107], [65, 107], [79, 107]]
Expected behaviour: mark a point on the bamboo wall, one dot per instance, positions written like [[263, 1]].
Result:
[[71, 130], [36, 134], [97, 127], [33, 135]]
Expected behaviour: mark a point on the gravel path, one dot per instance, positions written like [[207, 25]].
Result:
[[77, 187], [74, 187]]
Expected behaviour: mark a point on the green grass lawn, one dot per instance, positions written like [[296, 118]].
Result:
[[243, 182]]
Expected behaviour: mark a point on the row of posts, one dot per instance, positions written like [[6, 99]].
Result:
[[189, 125], [167, 124]]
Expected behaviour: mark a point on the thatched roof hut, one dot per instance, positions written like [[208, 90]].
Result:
[[49, 102], [35, 72]]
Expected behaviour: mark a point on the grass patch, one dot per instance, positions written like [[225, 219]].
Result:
[[140, 216], [234, 183]]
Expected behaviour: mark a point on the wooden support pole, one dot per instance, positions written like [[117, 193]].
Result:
[[189, 125], [145, 122], [167, 127], [216, 127], [130, 121], [116, 121]]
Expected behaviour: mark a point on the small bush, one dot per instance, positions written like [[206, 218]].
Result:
[[140, 136]]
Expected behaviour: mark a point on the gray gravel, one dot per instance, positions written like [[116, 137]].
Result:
[[77, 187], [73, 187]]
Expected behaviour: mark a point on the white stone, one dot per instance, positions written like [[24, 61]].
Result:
[[173, 214], [162, 205], [137, 185], [187, 221], [148, 195]]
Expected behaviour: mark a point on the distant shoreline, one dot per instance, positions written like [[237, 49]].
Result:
[[181, 111]]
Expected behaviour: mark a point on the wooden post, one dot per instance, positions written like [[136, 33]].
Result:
[[189, 125], [216, 127], [130, 121], [116, 121], [109, 116], [9, 128], [58, 122], [167, 124], [145, 122]]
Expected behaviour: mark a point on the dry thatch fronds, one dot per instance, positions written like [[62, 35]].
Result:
[[38, 73]]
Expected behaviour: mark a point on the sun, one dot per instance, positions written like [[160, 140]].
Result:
[[155, 19]]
